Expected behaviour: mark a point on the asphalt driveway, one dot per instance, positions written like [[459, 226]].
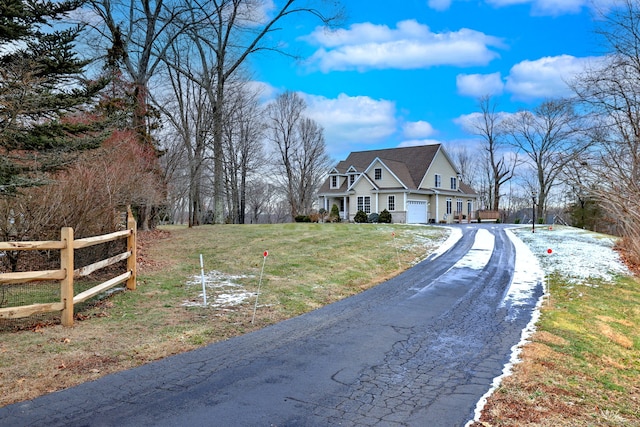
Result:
[[418, 350]]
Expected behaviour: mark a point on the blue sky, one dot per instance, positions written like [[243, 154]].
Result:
[[410, 71]]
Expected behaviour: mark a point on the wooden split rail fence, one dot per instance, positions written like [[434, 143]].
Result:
[[66, 274]]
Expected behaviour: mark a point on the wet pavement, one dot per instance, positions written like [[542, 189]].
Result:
[[418, 350]]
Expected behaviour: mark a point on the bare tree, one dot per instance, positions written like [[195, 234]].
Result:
[[224, 34], [548, 137], [610, 93], [174, 165], [233, 30], [137, 34], [300, 150], [243, 150], [190, 113], [260, 198], [500, 167], [465, 161]]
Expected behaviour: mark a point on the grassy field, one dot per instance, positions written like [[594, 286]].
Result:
[[308, 266]]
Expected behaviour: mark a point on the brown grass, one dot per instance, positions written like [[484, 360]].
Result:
[[582, 366]]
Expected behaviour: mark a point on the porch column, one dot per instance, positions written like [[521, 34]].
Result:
[[346, 208]]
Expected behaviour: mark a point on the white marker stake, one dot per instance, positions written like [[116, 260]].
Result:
[[204, 288], [255, 307]]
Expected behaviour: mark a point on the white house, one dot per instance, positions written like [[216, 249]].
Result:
[[416, 184]]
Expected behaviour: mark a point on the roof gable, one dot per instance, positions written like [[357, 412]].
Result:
[[398, 171], [409, 164], [364, 177]]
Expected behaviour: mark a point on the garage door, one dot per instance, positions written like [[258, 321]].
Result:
[[416, 212]]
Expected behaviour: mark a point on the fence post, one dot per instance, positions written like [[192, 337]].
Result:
[[66, 285], [131, 247]]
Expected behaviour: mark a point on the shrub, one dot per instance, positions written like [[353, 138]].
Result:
[[302, 218], [334, 216], [385, 217], [360, 217], [322, 214], [373, 218]]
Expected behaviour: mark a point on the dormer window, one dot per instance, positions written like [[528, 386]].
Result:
[[377, 173], [352, 179], [334, 181]]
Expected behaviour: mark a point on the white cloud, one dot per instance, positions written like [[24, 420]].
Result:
[[439, 4], [471, 122], [478, 85], [541, 7], [545, 77], [265, 91], [419, 129], [410, 45], [468, 122], [350, 120]]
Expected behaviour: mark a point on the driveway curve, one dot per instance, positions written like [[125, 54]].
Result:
[[420, 349]]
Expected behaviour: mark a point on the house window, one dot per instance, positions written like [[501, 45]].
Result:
[[377, 172], [352, 179], [364, 204], [449, 206], [438, 181], [392, 203], [334, 182], [459, 206], [454, 183]]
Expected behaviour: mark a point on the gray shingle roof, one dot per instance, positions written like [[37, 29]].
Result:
[[409, 164], [414, 160]]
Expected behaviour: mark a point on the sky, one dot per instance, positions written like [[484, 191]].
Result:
[[409, 72]]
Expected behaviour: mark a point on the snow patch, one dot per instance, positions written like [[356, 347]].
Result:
[[577, 255], [456, 234], [226, 291], [431, 239], [527, 273], [480, 253]]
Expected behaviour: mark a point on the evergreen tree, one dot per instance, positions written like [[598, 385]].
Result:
[[41, 91]]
